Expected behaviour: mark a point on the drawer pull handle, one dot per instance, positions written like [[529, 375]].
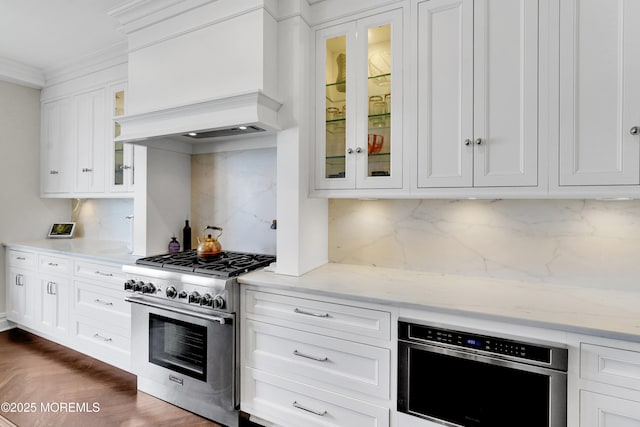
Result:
[[99, 301], [308, 356], [52, 264], [21, 258], [299, 406], [308, 313], [100, 273], [100, 337]]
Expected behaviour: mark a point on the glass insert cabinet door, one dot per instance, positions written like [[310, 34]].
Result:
[[358, 128], [122, 164]]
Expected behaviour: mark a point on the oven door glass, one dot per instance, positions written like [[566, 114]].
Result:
[[470, 393], [178, 346]]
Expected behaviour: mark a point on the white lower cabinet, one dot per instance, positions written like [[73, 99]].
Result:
[[73, 301], [307, 362], [293, 404], [599, 410], [53, 317], [609, 383]]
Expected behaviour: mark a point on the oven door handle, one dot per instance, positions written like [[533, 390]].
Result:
[[137, 300]]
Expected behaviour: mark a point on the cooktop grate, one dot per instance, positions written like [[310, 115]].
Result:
[[224, 264]]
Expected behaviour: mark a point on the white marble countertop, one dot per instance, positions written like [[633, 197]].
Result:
[[601, 312], [104, 250]]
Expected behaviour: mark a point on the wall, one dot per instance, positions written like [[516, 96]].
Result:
[[24, 215], [590, 243], [235, 190]]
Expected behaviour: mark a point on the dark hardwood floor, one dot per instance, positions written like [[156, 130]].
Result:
[[45, 376]]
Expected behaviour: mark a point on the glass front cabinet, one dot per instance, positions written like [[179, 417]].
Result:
[[122, 154], [358, 126]]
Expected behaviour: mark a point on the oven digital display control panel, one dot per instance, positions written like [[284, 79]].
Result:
[[485, 343]]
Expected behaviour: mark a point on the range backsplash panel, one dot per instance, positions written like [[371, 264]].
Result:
[[590, 243], [236, 190]]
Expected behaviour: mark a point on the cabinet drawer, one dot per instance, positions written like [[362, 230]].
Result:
[[100, 338], [610, 365], [111, 274], [319, 316], [598, 410], [22, 259], [54, 264], [293, 404], [317, 359], [104, 304]]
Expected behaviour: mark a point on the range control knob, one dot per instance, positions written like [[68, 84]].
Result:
[[128, 285], [171, 292], [137, 286], [206, 300], [194, 298], [182, 294], [148, 288], [218, 302]]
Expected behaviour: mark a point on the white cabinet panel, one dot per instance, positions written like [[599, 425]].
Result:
[[445, 93], [317, 359], [293, 404], [318, 316], [610, 365], [505, 92], [90, 119], [56, 171], [598, 410], [478, 93], [599, 92]]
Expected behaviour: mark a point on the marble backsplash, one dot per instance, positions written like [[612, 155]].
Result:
[[588, 243], [103, 219], [236, 190]]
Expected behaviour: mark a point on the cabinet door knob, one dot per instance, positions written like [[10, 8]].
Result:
[[479, 141], [635, 130], [53, 172], [87, 170], [349, 150], [359, 150], [467, 142]]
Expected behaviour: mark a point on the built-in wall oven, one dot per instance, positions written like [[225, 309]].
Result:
[[184, 329], [465, 378]]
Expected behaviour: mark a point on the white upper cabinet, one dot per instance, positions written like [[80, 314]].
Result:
[[599, 92], [56, 174], [477, 93], [358, 127], [120, 162], [90, 122]]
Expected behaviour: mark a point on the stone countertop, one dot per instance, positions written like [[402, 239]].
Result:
[[600, 312], [100, 250]]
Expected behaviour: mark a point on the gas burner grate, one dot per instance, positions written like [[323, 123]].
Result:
[[225, 264]]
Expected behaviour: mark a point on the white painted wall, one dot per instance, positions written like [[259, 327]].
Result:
[[24, 215], [590, 243]]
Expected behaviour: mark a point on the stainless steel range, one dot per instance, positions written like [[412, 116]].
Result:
[[184, 329]]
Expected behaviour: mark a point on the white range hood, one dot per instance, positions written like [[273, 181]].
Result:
[[222, 118], [198, 66]]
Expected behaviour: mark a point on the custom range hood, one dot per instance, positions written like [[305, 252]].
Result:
[[224, 118], [199, 70]]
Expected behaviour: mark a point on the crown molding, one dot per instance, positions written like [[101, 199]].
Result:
[[92, 63], [22, 74]]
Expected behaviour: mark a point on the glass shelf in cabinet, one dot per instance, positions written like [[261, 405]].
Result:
[[381, 79], [336, 126], [377, 121]]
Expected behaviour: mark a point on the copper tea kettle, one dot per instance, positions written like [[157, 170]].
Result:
[[209, 246]]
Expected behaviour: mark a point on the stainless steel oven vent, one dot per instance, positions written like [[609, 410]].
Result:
[[232, 131]]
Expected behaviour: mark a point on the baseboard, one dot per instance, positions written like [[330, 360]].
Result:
[[5, 325]]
